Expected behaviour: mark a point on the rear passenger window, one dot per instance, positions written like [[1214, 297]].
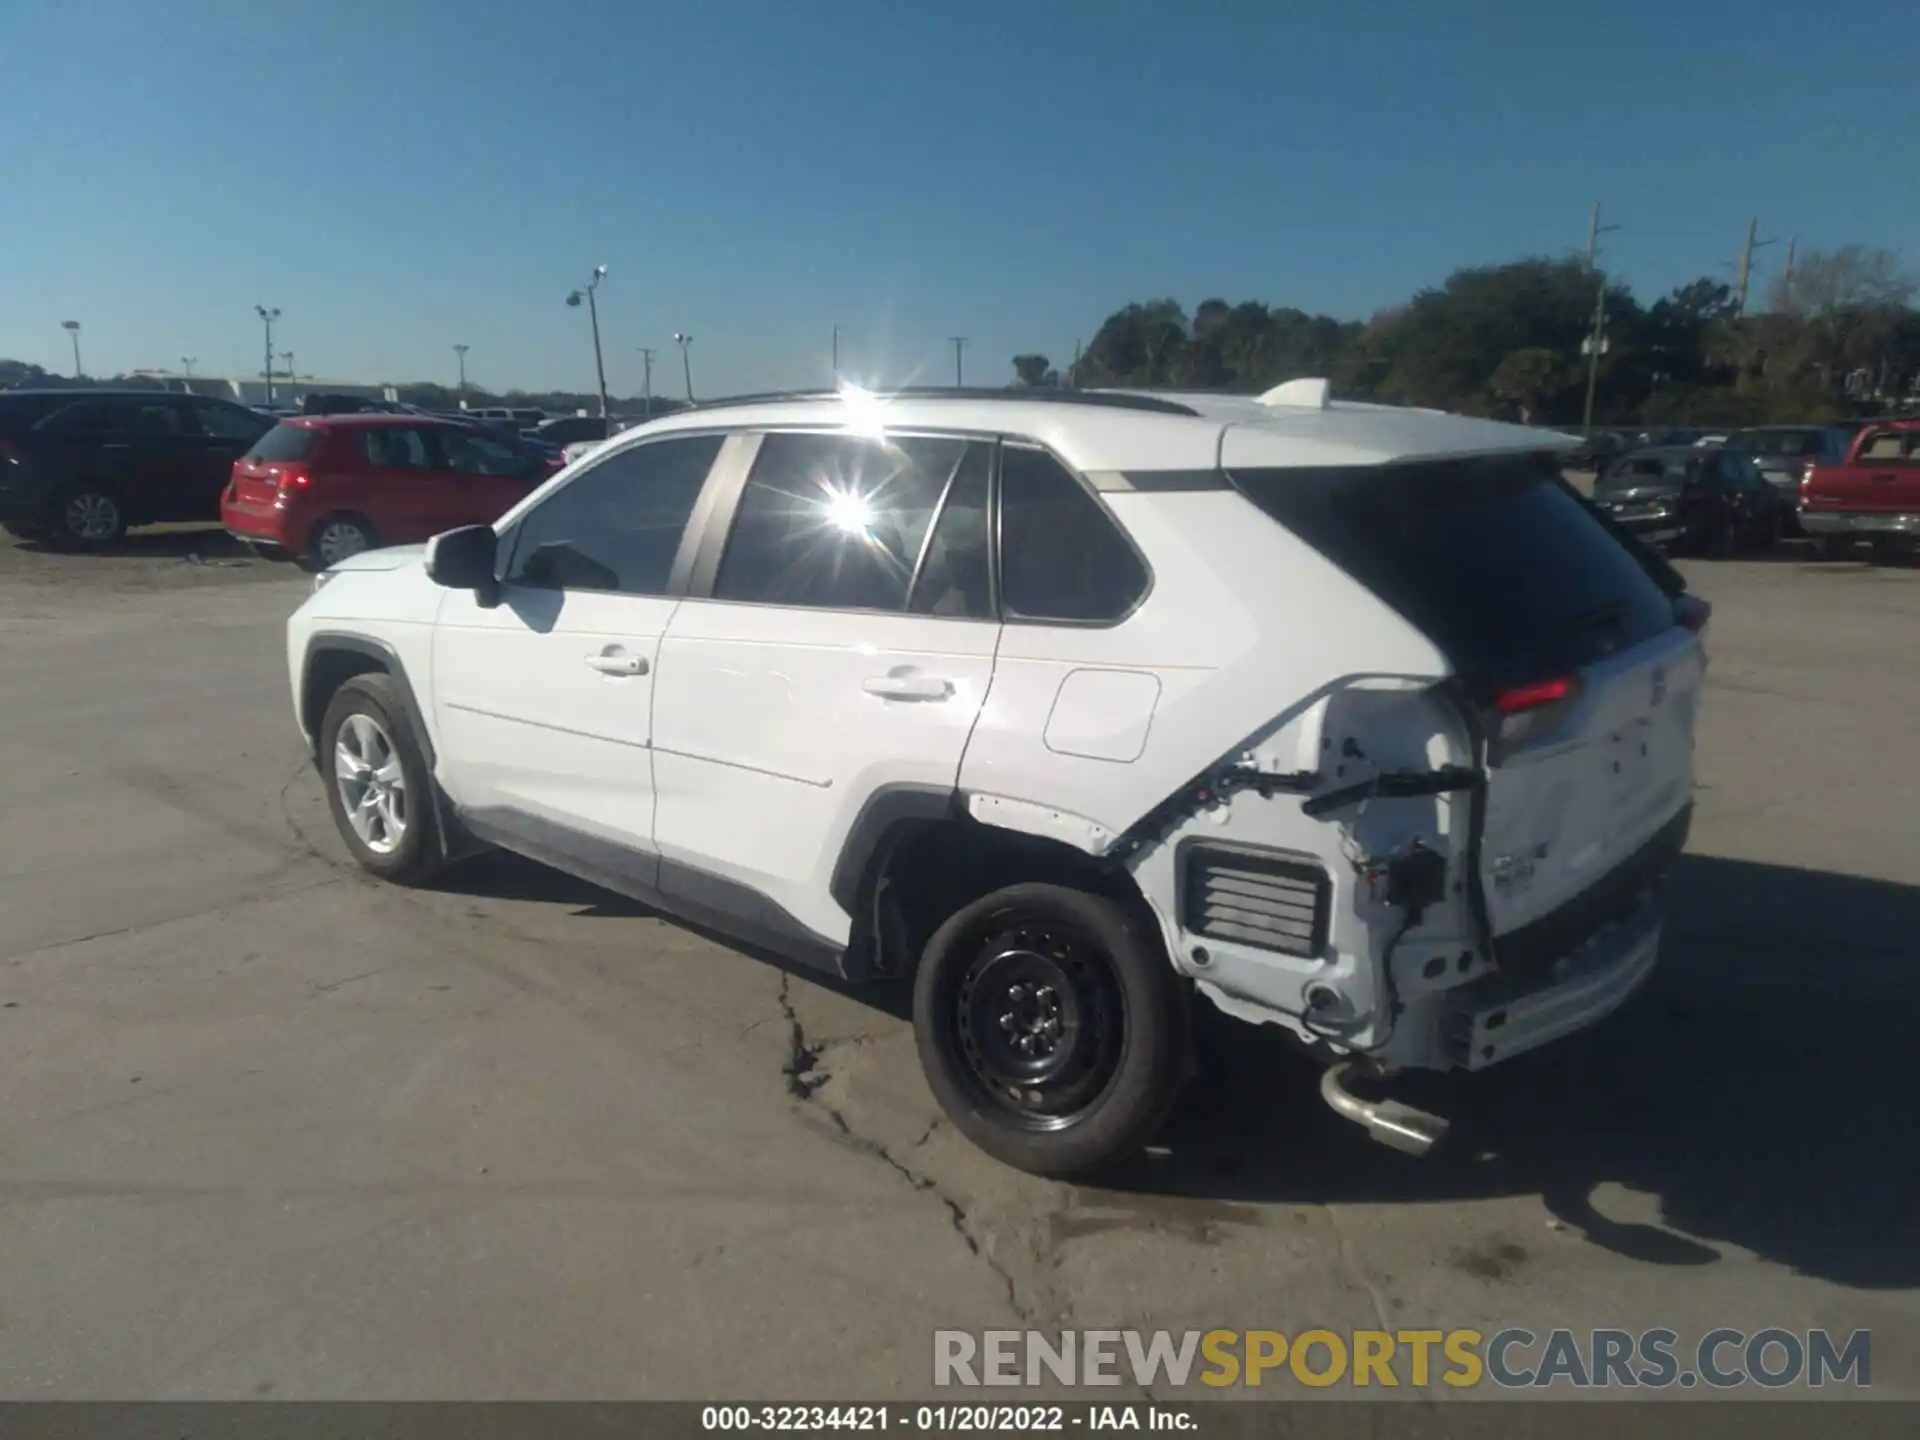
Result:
[[617, 525], [1062, 558], [395, 447], [833, 522]]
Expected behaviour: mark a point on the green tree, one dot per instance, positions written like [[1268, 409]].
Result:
[[1032, 372], [1525, 379]]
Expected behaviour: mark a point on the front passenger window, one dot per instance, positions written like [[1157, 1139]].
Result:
[[617, 525]]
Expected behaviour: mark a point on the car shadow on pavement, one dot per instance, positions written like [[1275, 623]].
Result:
[[1761, 1089], [168, 543]]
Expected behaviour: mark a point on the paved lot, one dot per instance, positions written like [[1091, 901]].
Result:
[[273, 1130]]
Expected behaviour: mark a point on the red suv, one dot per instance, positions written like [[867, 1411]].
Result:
[[319, 488]]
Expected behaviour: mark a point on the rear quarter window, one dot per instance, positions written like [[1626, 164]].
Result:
[[1498, 561], [287, 442]]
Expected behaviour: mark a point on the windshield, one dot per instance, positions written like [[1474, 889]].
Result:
[[286, 442]]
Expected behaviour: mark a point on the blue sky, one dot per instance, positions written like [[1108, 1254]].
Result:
[[400, 177]]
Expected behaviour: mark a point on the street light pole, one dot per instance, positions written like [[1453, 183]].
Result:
[[836, 355], [683, 340], [646, 357], [959, 344], [72, 327], [267, 316], [461, 351], [593, 314], [187, 362], [286, 359]]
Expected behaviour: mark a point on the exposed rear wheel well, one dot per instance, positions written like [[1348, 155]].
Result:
[[925, 870]]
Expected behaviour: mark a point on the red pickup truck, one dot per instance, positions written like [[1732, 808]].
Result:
[[1871, 493]]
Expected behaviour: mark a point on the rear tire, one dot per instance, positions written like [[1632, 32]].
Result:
[[1835, 547], [87, 516], [379, 788], [336, 538], [1051, 1028]]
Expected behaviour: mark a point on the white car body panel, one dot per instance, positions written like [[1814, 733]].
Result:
[[748, 740], [769, 735]]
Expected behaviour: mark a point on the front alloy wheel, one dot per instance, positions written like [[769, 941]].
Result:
[[372, 784], [378, 785]]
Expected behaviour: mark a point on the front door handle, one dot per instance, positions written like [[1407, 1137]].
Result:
[[617, 662], [907, 687]]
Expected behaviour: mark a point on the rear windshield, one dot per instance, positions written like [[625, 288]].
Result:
[[286, 442], [1497, 561]]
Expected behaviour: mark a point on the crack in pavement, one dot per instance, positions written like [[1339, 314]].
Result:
[[804, 1077]]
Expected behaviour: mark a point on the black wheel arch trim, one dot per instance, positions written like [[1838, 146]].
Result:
[[322, 641], [884, 811]]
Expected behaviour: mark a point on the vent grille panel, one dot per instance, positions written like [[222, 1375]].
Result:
[[1274, 903]]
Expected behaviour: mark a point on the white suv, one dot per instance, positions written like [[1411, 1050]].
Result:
[[1357, 721]]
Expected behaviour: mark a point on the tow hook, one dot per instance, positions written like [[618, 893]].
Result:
[[1391, 1122]]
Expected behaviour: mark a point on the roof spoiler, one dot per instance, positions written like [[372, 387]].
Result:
[[1298, 394]]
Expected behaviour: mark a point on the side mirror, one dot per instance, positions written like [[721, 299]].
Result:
[[464, 559]]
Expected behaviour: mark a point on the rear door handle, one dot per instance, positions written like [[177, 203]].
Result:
[[617, 662], [907, 687]]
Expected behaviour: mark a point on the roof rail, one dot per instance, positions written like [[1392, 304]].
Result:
[[1103, 399]]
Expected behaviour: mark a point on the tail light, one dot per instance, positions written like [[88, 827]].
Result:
[[1692, 612], [1522, 713], [291, 480], [1519, 699]]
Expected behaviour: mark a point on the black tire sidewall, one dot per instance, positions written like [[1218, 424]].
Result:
[[1153, 1060], [414, 859]]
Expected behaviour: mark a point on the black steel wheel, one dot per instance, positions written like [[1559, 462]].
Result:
[[1051, 1027]]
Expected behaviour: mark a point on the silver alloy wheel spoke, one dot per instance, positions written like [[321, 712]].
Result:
[[371, 782], [340, 540]]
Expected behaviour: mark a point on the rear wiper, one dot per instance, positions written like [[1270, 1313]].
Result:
[[1610, 612]]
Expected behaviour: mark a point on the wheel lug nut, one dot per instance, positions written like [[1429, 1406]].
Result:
[[1016, 993], [1006, 1021]]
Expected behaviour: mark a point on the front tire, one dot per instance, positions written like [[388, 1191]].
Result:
[[378, 785], [1051, 1028]]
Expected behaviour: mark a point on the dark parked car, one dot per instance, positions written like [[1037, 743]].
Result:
[[572, 429], [77, 467], [1712, 501], [1784, 454]]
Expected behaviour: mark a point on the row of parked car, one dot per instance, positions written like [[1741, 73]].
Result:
[[1719, 493], [77, 468]]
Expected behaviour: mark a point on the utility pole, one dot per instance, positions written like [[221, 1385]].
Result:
[[461, 352], [593, 313], [646, 357], [1073, 373], [959, 344], [267, 317], [836, 357], [683, 340], [1786, 275], [1743, 272], [72, 327], [1594, 231]]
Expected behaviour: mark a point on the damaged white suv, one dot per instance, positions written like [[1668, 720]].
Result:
[[1356, 721]]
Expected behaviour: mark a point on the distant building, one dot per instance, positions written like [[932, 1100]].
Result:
[[254, 391]]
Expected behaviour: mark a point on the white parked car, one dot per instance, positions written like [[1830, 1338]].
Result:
[[1356, 722]]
